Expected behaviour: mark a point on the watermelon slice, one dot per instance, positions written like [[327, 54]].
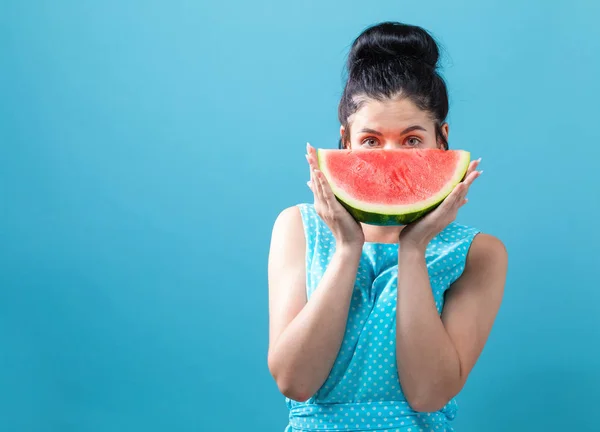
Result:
[[392, 187]]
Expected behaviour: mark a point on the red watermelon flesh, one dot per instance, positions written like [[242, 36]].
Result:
[[392, 187]]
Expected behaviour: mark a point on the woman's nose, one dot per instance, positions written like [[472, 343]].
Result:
[[389, 145]]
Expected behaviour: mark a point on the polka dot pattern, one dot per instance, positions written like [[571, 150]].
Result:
[[368, 416], [362, 392]]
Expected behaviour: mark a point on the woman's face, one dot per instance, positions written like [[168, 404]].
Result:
[[392, 123]]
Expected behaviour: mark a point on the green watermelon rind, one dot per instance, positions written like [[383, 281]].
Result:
[[397, 215]]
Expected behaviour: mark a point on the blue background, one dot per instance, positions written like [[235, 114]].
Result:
[[147, 147]]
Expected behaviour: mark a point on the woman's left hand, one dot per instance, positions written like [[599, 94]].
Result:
[[422, 231]]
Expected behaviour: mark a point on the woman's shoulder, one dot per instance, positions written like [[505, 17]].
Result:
[[480, 242], [485, 268], [288, 229], [288, 218], [455, 233], [484, 250], [298, 218], [477, 255], [488, 248], [295, 213]]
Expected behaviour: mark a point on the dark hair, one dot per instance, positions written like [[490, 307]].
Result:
[[390, 59]]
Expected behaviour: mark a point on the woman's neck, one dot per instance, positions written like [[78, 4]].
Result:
[[381, 234]]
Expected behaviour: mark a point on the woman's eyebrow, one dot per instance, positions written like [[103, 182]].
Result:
[[405, 131], [371, 131], [413, 128]]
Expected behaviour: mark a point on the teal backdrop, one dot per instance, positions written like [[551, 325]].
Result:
[[147, 147]]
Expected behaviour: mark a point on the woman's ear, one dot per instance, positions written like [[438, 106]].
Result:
[[342, 137], [445, 129]]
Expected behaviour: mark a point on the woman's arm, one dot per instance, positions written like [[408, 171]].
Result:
[[436, 354], [305, 337]]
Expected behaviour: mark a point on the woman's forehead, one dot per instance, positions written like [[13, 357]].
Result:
[[389, 115]]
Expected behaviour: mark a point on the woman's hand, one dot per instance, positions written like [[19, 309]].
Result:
[[345, 229], [421, 232]]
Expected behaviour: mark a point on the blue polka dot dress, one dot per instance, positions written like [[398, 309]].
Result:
[[362, 392]]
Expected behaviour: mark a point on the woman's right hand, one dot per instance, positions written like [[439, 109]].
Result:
[[346, 230]]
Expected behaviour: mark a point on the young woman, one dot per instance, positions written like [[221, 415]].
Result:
[[377, 328]]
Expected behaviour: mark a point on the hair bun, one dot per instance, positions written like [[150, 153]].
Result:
[[393, 41]]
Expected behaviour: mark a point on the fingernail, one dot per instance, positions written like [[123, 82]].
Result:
[[308, 183], [479, 160], [480, 172]]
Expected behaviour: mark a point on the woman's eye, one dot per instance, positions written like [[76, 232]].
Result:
[[413, 141], [370, 142]]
